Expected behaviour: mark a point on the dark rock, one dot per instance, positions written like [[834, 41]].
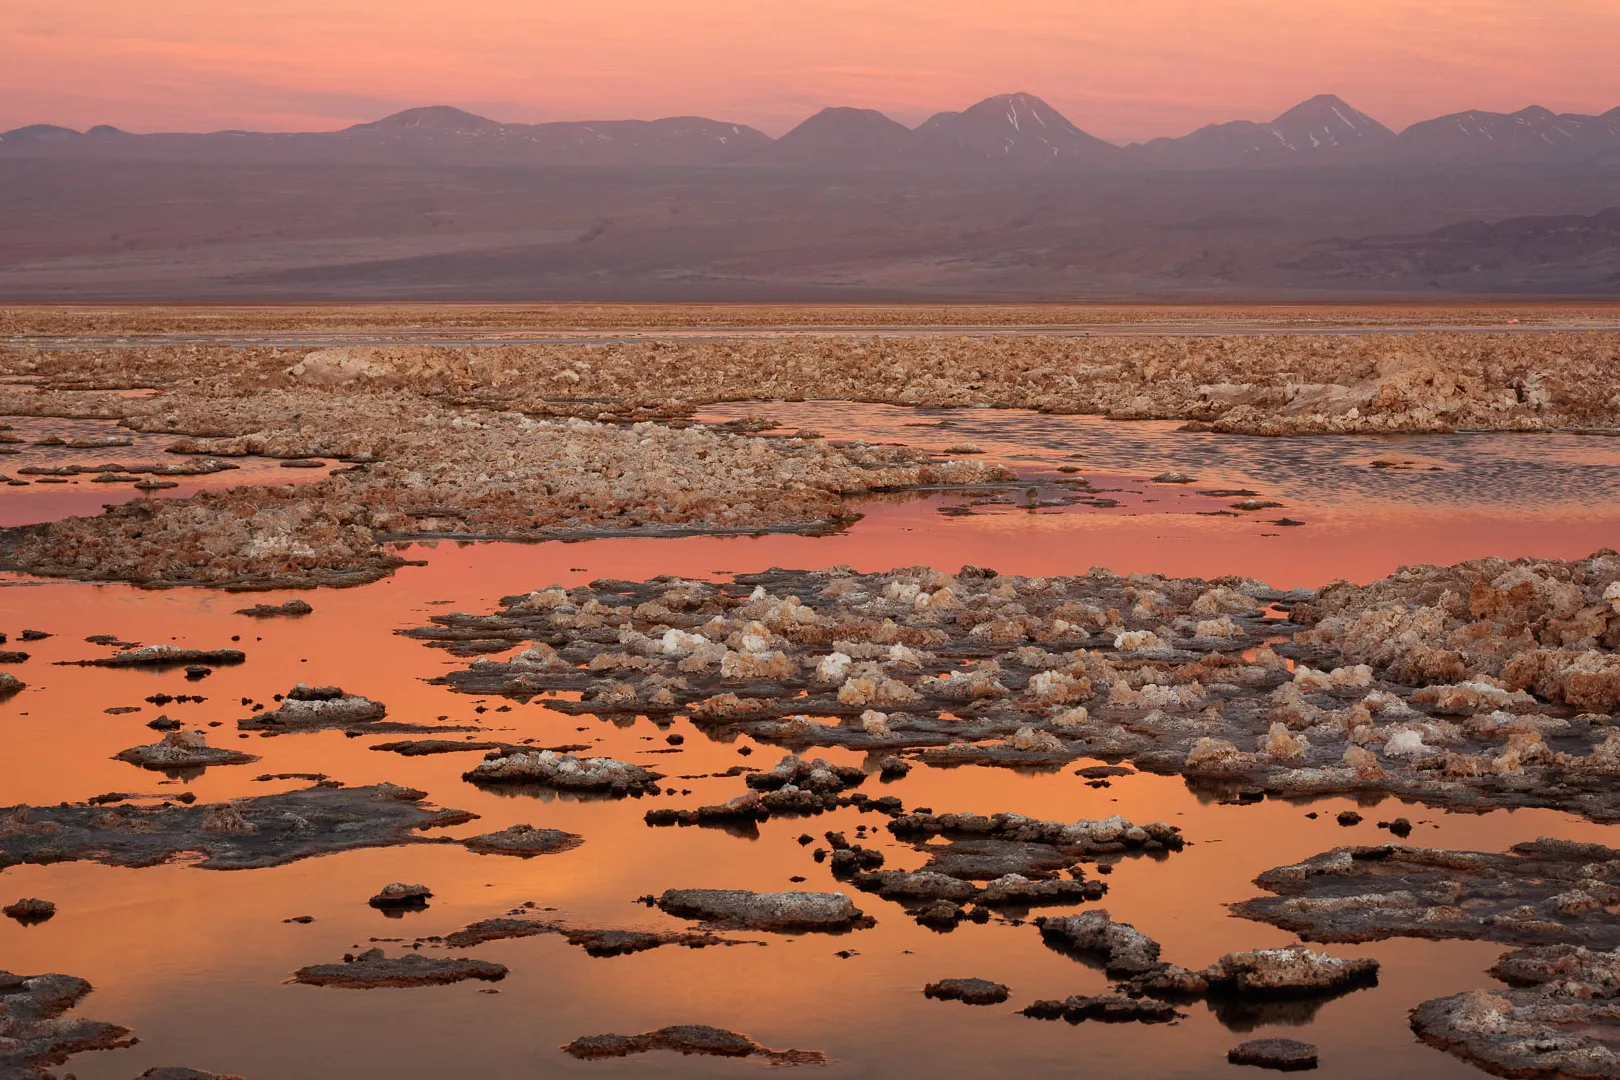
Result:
[[1109, 1008], [689, 1039], [524, 841], [1285, 1055], [371, 970], [29, 911], [968, 991]]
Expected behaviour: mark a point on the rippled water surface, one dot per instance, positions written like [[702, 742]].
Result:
[[196, 961]]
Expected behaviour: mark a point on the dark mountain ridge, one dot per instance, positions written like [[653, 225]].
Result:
[[1007, 132]]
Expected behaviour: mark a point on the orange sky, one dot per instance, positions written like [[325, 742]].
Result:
[[1123, 69]]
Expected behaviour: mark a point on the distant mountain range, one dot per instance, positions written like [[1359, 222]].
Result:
[[1009, 131]]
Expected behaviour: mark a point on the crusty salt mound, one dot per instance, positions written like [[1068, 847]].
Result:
[[1236, 985], [372, 970], [564, 772], [689, 1039], [1480, 685], [968, 991], [35, 1036], [265, 831], [785, 911], [595, 940], [1284, 1055], [1263, 384], [183, 750], [524, 841], [1109, 1008], [29, 910], [330, 708], [164, 656], [421, 469], [1561, 1019], [1537, 892], [1122, 949]]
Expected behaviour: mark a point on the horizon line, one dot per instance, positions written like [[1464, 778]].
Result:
[[112, 128]]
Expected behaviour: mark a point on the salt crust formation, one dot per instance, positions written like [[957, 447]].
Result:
[[1541, 892], [1284, 1055], [29, 910], [182, 750], [449, 441], [1239, 987], [1485, 684], [564, 772], [34, 1034], [292, 607], [399, 894], [372, 970], [268, 830], [1257, 384], [163, 656], [689, 1039], [1128, 954], [793, 786], [595, 940], [789, 912], [524, 841], [1556, 897], [458, 319], [331, 708], [419, 468], [1561, 1019], [1107, 1007], [968, 991], [1000, 861]]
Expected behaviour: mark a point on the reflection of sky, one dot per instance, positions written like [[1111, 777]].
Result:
[[1123, 69]]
